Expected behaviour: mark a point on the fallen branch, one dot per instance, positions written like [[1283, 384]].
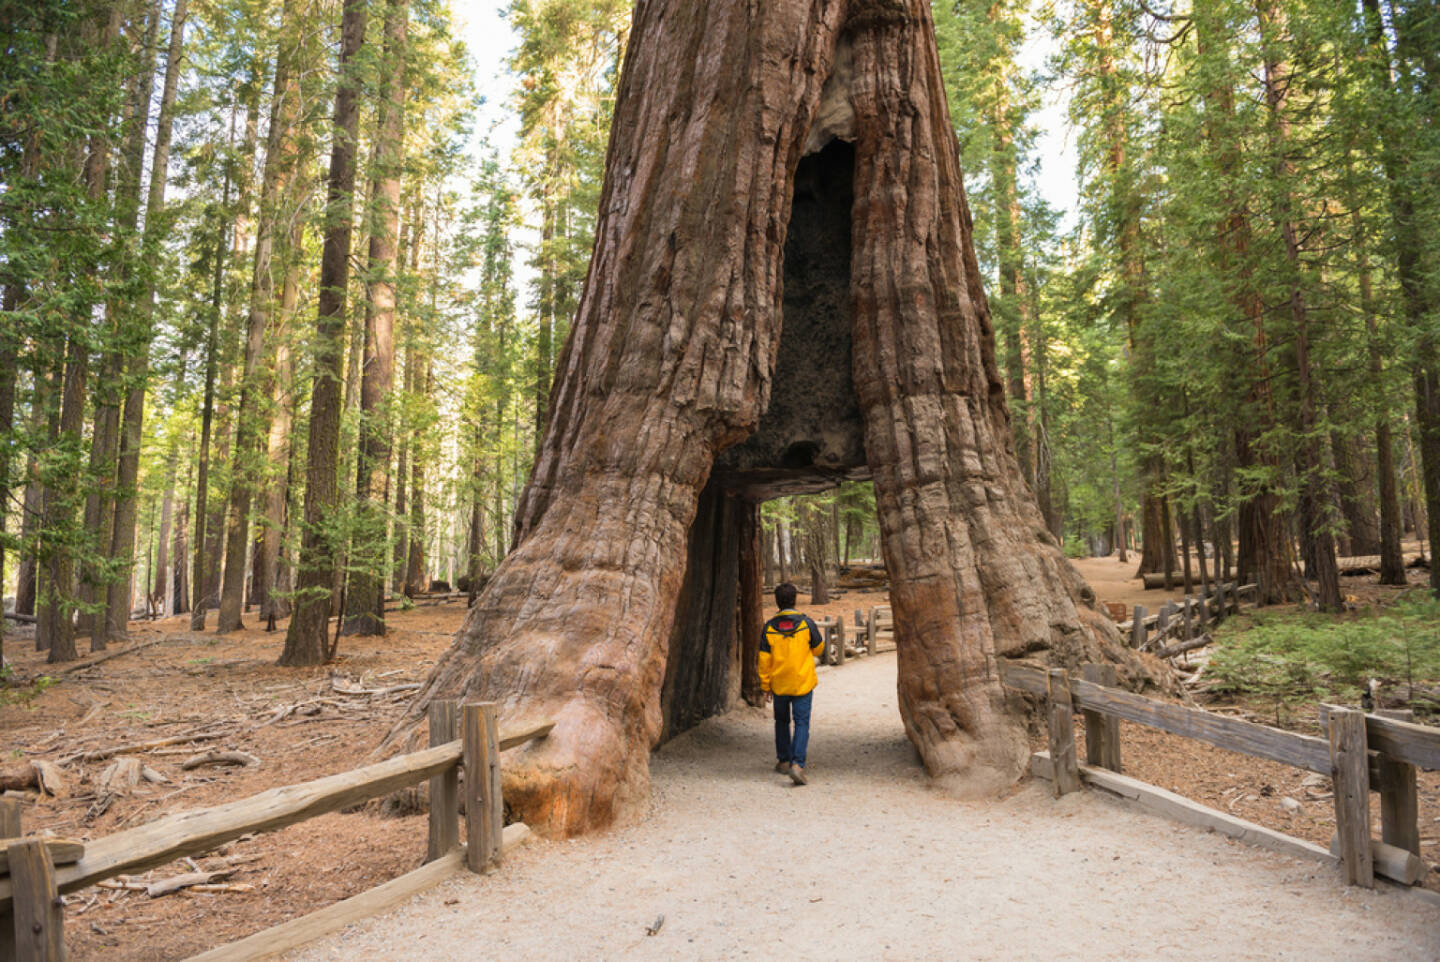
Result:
[[339, 687], [1180, 647], [100, 754], [219, 758], [92, 662], [177, 882], [223, 888]]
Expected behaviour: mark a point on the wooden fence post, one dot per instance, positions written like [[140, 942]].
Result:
[[1137, 628], [1102, 732], [1220, 611], [1162, 622], [39, 922], [484, 808], [839, 639], [9, 828], [872, 630], [1062, 732], [445, 787], [1399, 801], [1187, 613], [1350, 769]]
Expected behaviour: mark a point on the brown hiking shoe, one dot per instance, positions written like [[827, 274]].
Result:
[[783, 768], [797, 774]]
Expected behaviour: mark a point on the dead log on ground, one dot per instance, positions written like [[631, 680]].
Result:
[[244, 759]]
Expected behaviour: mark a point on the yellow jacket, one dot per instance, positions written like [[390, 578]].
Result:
[[787, 654]]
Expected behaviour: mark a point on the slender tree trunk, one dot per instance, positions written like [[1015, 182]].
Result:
[[160, 588], [55, 629], [306, 639], [110, 393], [25, 574], [254, 413], [415, 566], [9, 375], [1392, 560], [815, 556], [1264, 542], [1013, 296], [180, 551], [119, 597], [269, 602], [1120, 533], [1353, 464], [365, 597], [1185, 552], [199, 580], [1416, 291], [1315, 503]]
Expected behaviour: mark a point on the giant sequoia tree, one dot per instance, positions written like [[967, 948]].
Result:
[[792, 159]]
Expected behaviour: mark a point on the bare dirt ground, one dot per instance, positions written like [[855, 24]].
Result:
[[870, 861], [1115, 581], [301, 727]]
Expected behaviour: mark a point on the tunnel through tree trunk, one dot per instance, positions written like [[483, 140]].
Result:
[[677, 355], [702, 672]]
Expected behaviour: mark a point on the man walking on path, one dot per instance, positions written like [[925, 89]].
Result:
[[787, 672]]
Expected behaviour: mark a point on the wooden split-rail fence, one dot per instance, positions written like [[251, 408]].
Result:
[[1186, 620], [1361, 753], [868, 635], [461, 737]]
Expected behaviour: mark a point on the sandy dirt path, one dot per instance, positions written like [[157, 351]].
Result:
[[870, 862]]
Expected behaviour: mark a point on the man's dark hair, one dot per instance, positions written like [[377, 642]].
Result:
[[785, 595]]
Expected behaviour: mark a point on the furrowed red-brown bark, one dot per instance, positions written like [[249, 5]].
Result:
[[975, 574], [306, 638], [672, 359], [713, 108]]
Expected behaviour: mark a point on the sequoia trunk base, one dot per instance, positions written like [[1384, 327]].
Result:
[[793, 157]]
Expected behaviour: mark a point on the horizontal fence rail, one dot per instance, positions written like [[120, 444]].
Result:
[[26, 892], [1361, 753]]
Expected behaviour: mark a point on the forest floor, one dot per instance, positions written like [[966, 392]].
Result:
[[226, 693]]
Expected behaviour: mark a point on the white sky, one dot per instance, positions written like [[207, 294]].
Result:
[[488, 35]]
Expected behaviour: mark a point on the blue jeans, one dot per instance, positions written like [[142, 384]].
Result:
[[791, 747]]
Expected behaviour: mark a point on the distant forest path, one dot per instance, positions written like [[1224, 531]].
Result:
[[869, 861]]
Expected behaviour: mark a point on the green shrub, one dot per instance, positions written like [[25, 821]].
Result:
[[1293, 655]]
